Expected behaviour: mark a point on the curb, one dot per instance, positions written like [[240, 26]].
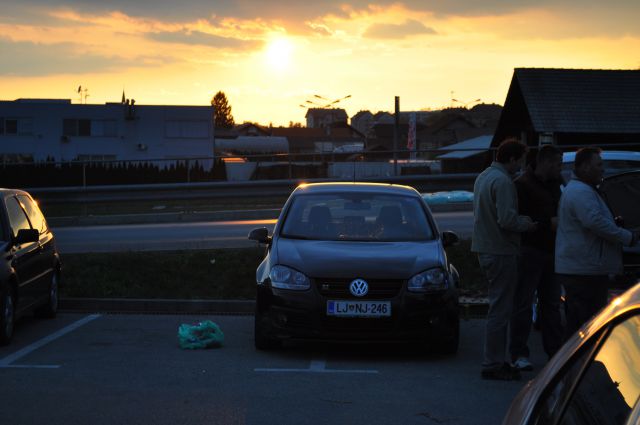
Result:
[[468, 309]]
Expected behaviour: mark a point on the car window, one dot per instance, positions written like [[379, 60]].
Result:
[[610, 386], [35, 216], [550, 404], [357, 217], [17, 218]]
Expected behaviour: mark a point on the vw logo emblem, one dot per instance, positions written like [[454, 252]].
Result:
[[359, 288]]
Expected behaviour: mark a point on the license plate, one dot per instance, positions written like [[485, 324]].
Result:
[[359, 308]]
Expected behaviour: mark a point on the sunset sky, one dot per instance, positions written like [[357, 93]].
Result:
[[270, 56]]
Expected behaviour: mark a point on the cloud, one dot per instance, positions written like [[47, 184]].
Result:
[[35, 59], [586, 18], [202, 39], [398, 31]]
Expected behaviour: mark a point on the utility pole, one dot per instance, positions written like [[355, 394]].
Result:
[[396, 131]]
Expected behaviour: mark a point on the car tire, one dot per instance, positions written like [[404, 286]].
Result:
[[261, 339], [7, 316], [50, 309]]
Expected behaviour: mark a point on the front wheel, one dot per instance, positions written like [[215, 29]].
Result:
[[7, 316]]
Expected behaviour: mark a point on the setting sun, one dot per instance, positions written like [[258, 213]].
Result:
[[278, 53]]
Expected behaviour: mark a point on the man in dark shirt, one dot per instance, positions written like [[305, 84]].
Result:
[[538, 196]]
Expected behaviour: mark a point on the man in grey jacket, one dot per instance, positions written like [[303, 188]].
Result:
[[588, 241], [496, 240]]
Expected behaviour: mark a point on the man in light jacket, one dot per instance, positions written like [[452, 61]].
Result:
[[496, 240], [588, 241]]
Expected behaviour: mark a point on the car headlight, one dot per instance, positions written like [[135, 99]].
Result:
[[284, 277], [429, 280]]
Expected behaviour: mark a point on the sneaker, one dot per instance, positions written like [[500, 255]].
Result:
[[505, 372], [523, 363]]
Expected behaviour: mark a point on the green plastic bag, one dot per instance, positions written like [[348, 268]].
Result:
[[205, 334]]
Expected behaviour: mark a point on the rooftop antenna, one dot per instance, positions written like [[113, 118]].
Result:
[[84, 93]]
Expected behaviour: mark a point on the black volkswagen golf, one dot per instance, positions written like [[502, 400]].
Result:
[[30, 267], [356, 262]]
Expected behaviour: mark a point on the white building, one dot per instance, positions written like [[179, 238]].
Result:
[[37, 129]]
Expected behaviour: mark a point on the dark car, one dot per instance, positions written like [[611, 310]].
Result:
[[356, 262], [622, 193], [30, 267], [595, 377]]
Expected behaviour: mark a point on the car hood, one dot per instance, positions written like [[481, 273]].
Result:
[[342, 259], [622, 192]]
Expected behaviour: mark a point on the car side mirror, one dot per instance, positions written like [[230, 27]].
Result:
[[260, 235], [26, 236], [449, 238]]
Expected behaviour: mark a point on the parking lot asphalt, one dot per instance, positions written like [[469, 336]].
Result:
[[129, 369]]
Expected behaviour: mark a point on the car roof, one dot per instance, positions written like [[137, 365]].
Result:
[[6, 191], [333, 187], [607, 155]]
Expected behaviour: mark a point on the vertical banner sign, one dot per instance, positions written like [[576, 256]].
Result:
[[411, 138]]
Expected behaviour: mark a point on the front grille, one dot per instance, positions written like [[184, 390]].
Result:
[[379, 289]]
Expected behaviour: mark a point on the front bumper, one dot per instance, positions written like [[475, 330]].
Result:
[[301, 315]]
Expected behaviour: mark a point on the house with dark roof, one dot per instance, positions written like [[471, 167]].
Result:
[[325, 117], [570, 107], [318, 140]]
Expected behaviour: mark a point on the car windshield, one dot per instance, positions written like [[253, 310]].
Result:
[[357, 217]]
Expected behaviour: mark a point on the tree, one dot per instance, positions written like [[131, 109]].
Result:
[[222, 111]]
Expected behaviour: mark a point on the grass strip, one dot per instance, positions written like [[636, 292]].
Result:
[[199, 274]]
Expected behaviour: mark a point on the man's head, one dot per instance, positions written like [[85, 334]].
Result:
[[588, 165], [548, 163], [511, 153]]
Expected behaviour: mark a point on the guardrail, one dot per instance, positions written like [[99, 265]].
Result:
[[255, 189]]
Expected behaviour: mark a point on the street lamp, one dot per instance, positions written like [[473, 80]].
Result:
[[323, 105], [464, 104]]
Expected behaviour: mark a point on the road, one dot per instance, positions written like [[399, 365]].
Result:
[[128, 369], [199, 235]]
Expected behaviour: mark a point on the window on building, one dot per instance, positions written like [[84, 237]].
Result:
[[89, 128], [11, 126], [84, 127], [192, 129], [16, 126]]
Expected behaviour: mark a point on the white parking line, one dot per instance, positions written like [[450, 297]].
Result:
[[6, 362], [316, 366]]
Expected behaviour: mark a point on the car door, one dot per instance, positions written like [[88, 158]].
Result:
[[24, 257], [46, 258], [622, 192]]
